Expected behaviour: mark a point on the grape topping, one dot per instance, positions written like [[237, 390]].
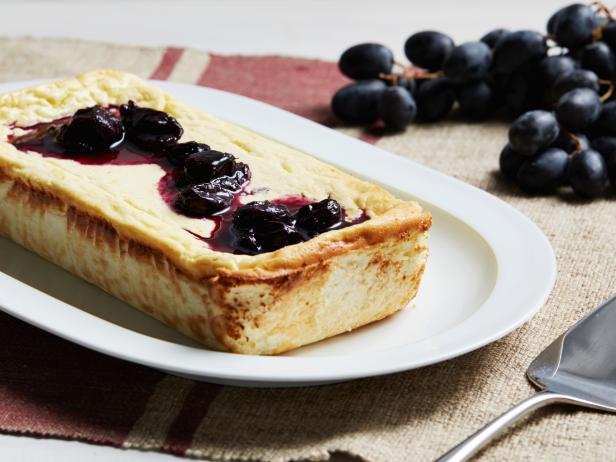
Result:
[[198, 182], [557, 88]]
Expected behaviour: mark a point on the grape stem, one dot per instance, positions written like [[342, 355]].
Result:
[[423, 75], [410, 75], [610, 90], [578, 142], [391, 77]]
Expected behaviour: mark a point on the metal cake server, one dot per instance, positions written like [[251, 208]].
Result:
[[579, 367]]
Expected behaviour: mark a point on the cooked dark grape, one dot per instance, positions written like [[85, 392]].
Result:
[[264, 226], [258, 215], [358, 102], [518, 50], [366, 61], [573, 26], [204, 166], [396, 108], [435, 99], [606, 146], [543, 172], [476, 100], [606, 123], [277, 236], [177, 153], [203, 200], [578, 108], [510, 162], [570, 142], [599, 58], [533, 131], [92, 129], [149, 128], [236, 180], [494, 36], [428, 49], [467, 62], [587, 173], [248, 243], [554, 67], [319, 216], [580, 78]]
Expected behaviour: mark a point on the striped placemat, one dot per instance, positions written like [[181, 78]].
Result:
[[52, 388]]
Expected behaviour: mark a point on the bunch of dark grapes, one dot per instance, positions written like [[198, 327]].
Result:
[[559, 85]]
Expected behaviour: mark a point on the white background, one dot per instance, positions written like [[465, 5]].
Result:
[[309, 28]]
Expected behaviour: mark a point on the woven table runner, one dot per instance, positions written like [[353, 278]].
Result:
[[52, 388]]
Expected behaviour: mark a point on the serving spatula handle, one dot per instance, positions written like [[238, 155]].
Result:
[[469, 447]]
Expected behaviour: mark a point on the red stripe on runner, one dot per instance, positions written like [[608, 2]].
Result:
[[167, 63], [193, 411], [51, 387], [302, 86]]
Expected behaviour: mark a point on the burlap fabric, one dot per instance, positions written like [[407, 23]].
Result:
[[70, 392]]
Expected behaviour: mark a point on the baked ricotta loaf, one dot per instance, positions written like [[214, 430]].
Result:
[[110, 225]]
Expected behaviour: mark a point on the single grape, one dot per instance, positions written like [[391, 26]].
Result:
[[494, 36], [366, 61], [518, 50], [476, 100], [551, 22], [319, 216], [510, 162], [606, 146], [580, 78], [573, 26], [428, 49], [578, 108], [553, 67], [396, 107], [543, 172], [148, 128], [606, 123], [610, 163], [264, 226], [204, 166], [435, 99], [522, 92], [587, 173], [203, 200], [92, 129], [570, 142], [533, 131], [608, 35], [358, 102], [178, 152], [467, 62], [599, 58]]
